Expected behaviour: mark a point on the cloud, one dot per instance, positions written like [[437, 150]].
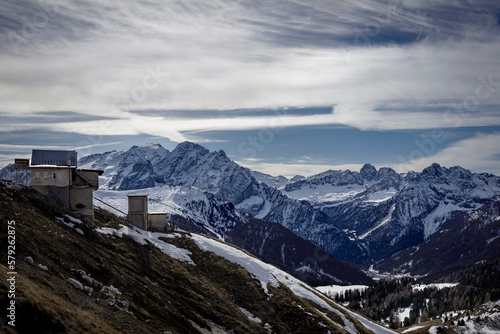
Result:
[[291, 169], [21, 148], [226, 55], [480, 153], [383, 66]]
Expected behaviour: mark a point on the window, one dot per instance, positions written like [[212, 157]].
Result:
[[37, 175], [54, 175], [45, 175]]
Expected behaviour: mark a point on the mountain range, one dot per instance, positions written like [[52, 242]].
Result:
[[363, 216], [367, 216]]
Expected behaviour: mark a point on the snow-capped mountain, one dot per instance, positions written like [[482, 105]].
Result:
[[334, 187], [272, 181], [206, 212], [127, 169], [20, 176], [363, 216], [192, 165]]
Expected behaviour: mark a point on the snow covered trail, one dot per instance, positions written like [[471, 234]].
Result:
[[376, 328]]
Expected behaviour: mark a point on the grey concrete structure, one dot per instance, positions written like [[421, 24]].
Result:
[[138, 211]]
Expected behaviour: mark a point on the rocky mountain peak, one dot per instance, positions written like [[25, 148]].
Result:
[[368, 172], [221, 155], [434, 170], [188, 146], [297, 178]]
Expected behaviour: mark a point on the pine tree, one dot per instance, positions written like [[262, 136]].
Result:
[[425, 316]]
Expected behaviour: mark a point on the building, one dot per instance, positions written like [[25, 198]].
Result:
[[138, 211], [139, 216], [157, 220], [55, 174]]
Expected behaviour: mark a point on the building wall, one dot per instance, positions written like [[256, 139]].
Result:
[[72, 192], [138, 211], [139, 220], [92, 176], [81, 200], [63, 176], [157, 221]]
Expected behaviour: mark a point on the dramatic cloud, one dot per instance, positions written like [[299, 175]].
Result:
[[176, 68]]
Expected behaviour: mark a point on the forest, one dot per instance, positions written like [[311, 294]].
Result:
[[478, 284]]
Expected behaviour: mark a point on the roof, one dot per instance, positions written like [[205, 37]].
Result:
[[53, 167], [100, 171], [53, 158]]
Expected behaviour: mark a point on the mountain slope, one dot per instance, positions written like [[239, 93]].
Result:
[[103, 277], [464, 239], [447, 296], [203, 212]]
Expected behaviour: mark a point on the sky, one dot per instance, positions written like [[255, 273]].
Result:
[[283, 87]]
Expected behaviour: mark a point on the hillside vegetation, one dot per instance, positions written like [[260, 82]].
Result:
[[75, 277]]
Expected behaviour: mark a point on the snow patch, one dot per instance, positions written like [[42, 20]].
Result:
[[250, 316], [437, 217], [41, 266], [254, 201], [382, 223], [439, 286], [381, 196], [73, 219], [143, 237], [412, 329], [77, 285], [72, 225], [331, 290], [325, 193]]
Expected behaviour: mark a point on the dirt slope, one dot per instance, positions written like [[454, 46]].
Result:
[[135, 288]]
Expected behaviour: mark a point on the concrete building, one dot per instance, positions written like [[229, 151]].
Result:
[[138, 211], [157, 220], [139, 216], [55, 174]]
